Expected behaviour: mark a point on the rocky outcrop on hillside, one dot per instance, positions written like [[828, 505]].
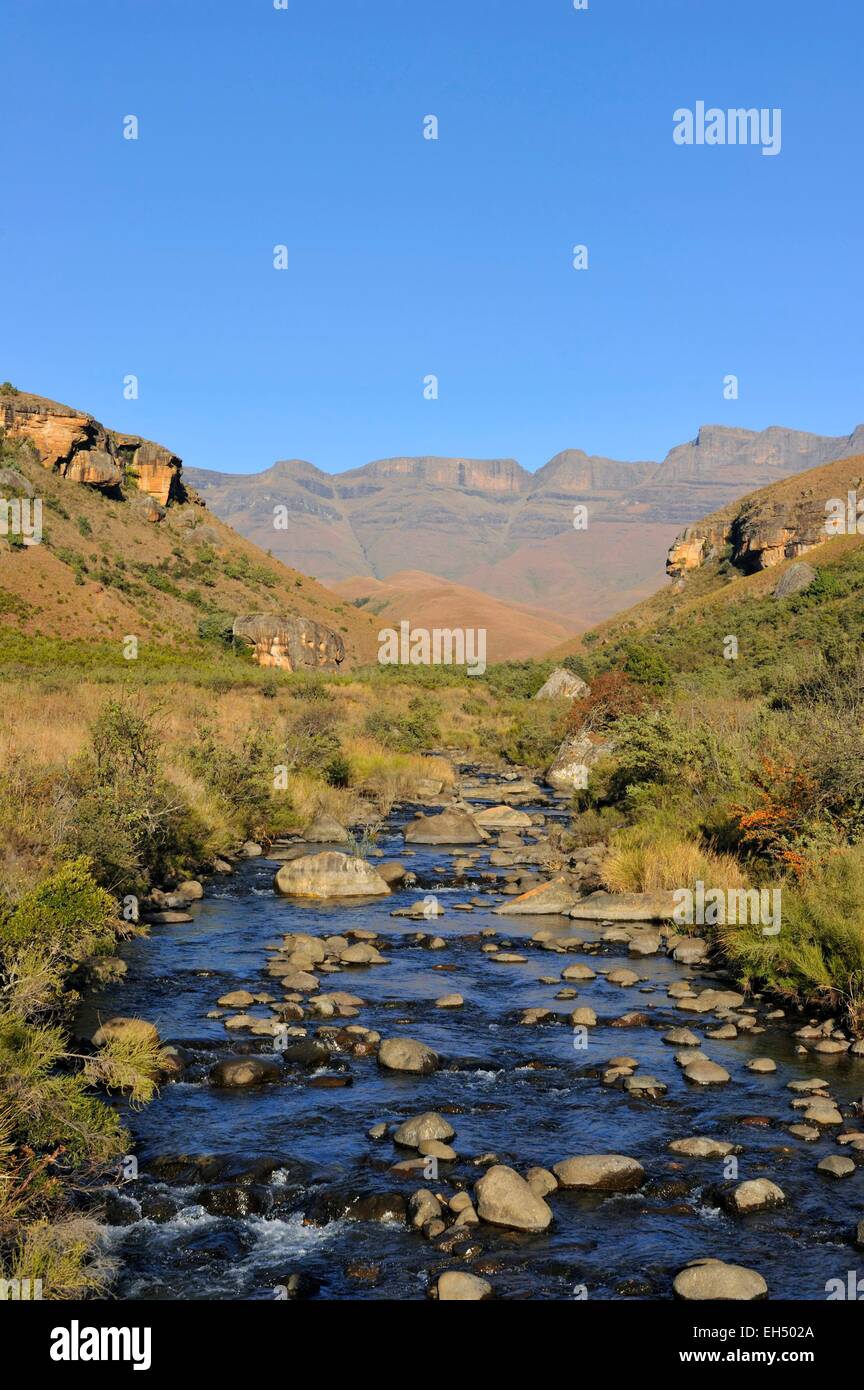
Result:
[[78, 447], [776, 524], [290, 643]]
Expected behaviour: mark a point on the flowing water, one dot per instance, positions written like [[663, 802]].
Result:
[[286, 1159]]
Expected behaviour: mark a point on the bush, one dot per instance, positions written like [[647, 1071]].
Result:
[[535, 734]]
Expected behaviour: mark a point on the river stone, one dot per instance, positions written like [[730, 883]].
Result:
[[646, 1085], [556, 896], [456, 1286], [836, 1166], [420, 1128], [236, 999], [450, 1001], [541, 1181], [809, 1133], [762, 1065], [756, 1195], [134, 1029], [448, 828], [502, 818], [583, 1018], [361, 953], [822, 1112], [701, 1147], [191, 889], [859, 1235], [329, 875], [578, 972], [326, 830], [705, 1073], [690, 952], [423, 1206], [625, 907], [714, 1279], [600, 1173], [406, 1054], [506, 1199], [623, 977], [245, 1071]]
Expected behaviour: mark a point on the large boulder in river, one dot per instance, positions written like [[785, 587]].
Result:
[[457, 1286], [503, 818], [716, 1280], [574, 760], [407, 1054], [421, 1129], [556, 896], [600, 1173], [448, 828], [245, 1071], [329, 875], [625, 907], [506, 1199], [562, 685]]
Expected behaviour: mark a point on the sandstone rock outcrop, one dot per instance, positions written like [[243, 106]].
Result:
[[562, 685], [574, 760], [77, 446], [290, 643]]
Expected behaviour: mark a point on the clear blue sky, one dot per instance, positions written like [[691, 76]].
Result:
[[408, 256]]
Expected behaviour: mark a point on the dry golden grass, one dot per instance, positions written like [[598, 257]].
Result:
[[641, 863]]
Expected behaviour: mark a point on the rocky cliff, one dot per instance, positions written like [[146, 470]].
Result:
[[290, 643], [75, 445], [772, 525]]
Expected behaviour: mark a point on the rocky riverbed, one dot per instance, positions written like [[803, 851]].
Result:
[[476, 1102]]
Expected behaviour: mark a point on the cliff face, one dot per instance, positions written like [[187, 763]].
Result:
[[777, 523], [77, 447]]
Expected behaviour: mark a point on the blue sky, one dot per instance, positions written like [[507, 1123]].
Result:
[[408, 257]]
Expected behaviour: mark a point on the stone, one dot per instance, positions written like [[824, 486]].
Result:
[[449, 1001], [794, 580], [326, 830], [622, 977], [407, 1054], [574, 759], [457, 1286], [714, 1279], [236, 999], [541, 1181], [556, 896], [329, 875], [837, 1166], [682, 1037], [625, 907], [448, 828], [506, 1199], [705, 1073], [758, 1194], [600, 1173], [691, 952], [289, 642], [763, 1065], [422, 1128], [562, 685], [577, 971], [423, 1206], [502, 818], [701, 1147], [245, 1071]]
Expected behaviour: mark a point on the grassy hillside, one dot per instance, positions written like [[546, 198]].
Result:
[[103, 572]]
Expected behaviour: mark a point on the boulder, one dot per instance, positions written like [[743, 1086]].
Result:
[[704, 1073], [837, 1166], [245, 1071], [556, 896], [506, 1199], [326, 830], [448, 828], [407, 1054], [574, 760], [702, 1147], [421, 1129], [600, 1173], [714, 1279], [562, 685], [290, 643], [795, 580], [329, 875], [456, 1286], [502, 818], [625, 907], [759, 1194]]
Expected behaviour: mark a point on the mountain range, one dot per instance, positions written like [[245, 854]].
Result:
[[492, 526]]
